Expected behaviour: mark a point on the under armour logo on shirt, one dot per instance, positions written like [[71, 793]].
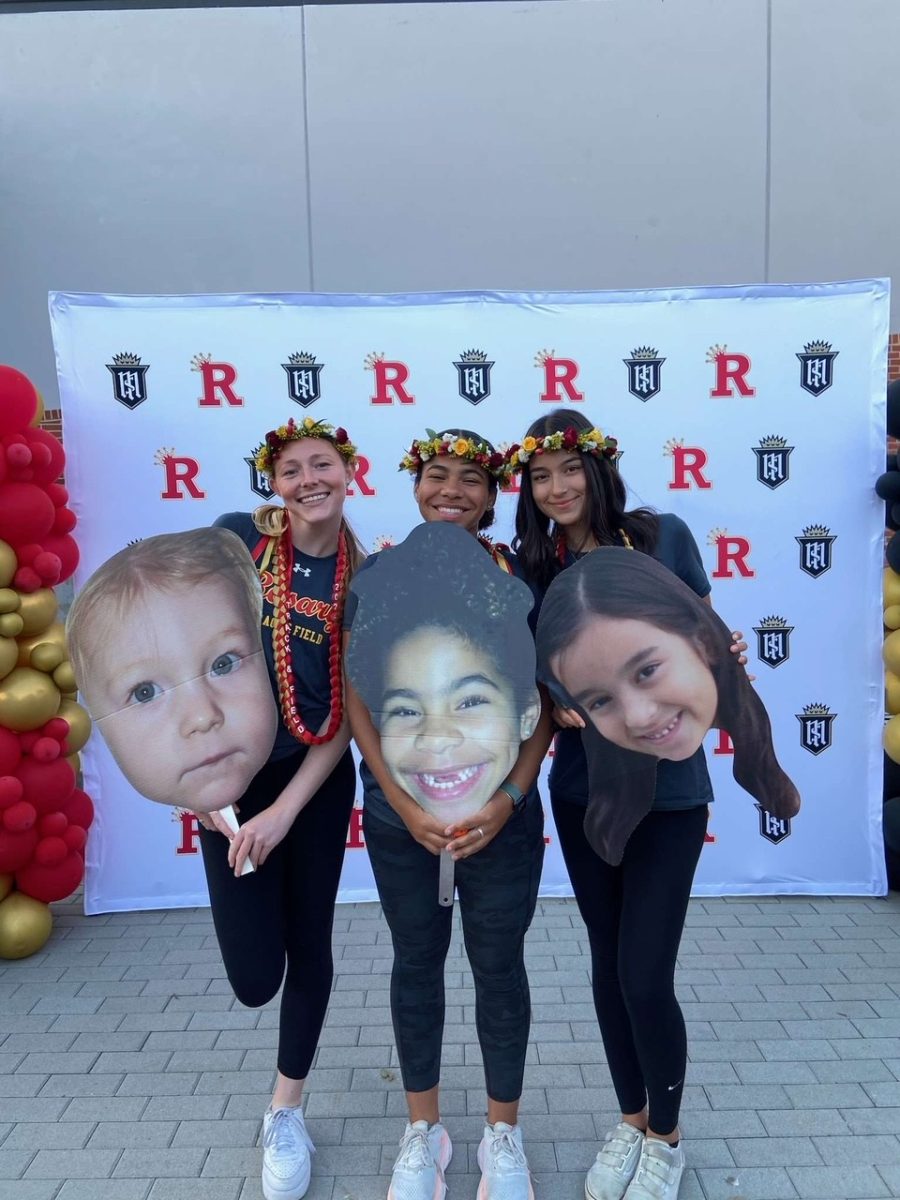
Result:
[[307, 571]]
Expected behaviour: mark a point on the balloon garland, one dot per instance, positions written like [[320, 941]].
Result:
[[44, 816]]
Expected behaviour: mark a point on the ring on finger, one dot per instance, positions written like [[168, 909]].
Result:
[[480, 832]]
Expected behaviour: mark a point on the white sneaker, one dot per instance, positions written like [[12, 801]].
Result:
[[419, 1169], [504, 1167], [286, 1153], [659, 1172], [615, 1165]]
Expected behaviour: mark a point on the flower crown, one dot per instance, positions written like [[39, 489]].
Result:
[[437, 445], [277, 439], [588, 441]]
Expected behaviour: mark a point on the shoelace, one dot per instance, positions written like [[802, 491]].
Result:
[[654, 1171], [415, 1153], [281, 1136], [505, 1151]]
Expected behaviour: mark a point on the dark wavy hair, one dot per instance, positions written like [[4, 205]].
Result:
[[488, 519], [440, 578], [624, 585], [535, 533]]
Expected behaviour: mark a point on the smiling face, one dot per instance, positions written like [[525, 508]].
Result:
[[450, 723], [643, 688], [312, 478], [177, 685], [560, 488], [451, 489]]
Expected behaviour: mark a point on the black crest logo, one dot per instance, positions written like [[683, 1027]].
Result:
[[474, 376], [773, 461], [773, 829], [773, 637], [259, 481], [815, 550], [816, 721], [129, 379], [817, 367], [644, 372], [303, 372]]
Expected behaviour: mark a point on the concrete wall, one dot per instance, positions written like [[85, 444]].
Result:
[[587, 144]]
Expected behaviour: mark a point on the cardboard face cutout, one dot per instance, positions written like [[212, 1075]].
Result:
[[649, 667], [442, 656], [165, 637]]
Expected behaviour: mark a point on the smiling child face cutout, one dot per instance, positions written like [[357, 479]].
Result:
[[450, 723], [177, 684]]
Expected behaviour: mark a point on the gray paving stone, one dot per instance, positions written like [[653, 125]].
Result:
[[875, 1150], [105, 1108], [14, 1162], [775, 1151], [761, 1183], [196, 1189], [105, 1189], [160, 1164], [146, 1133], [28, 1189], [217, 1133], [73, 1164], [48, 1135], [840, 1183]]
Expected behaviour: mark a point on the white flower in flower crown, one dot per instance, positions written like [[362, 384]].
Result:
[[425, 455], [448, 437]]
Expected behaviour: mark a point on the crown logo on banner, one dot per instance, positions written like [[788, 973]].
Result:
[[473, 356], [816, 710], [543, 356], [672, 445], [644, 352], [126, 359], [372, 358], [300, 358], [816, 531], [199, 361], [714, 353], [772, 442], [162, 456], [817, 348], [715, 536], [773, 623]]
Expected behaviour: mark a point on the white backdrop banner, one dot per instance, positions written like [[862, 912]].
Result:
[[756, 414]]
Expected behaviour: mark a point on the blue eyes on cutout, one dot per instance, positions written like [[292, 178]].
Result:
[[147, 690]]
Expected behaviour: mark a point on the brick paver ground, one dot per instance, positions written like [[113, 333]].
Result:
[[128, 1072]]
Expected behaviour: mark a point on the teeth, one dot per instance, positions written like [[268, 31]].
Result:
[[655, 737], [454, 511], [314, 499], [449, 780]]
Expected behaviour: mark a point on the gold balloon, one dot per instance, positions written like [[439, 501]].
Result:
[[11, 625], [55, 635], [47, 657], [8, 564], [892, 616], [9, 598], [9, 655], [39, 411], [892, 692], [38, 610], [64, 678], [890, 651], [28, 699], [6, 885], [25, 925], [79, 724], [890, 586]]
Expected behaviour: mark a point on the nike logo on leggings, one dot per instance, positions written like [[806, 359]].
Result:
[[675, 1085]]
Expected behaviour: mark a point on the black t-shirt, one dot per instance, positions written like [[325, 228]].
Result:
[[312, 584], [679, 785], [373, 796]]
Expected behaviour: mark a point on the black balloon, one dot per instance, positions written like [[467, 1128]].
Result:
[[891, 777], [891, 462], [892, 516], [887, 486], [893, 408]]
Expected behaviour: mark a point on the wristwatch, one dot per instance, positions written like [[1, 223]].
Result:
[[515, 794]]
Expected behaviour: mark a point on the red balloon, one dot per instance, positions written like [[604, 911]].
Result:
[[51, 883], [53, 825], [64, 521], [19, 817], [29, 740], [25, 555], [75, 837], [19, 455], [58, 493], [49, 567], [27, 580], [79, 809], [10, 751], [56, 728], [46, 749], [49, 456], [26, 513], [11, 791], [16, 849], [18, 400], [64, 547], [50, 851], [47, 785]]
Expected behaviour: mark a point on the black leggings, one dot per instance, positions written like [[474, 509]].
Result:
[[634, 915], [497, 893], [284, 911]]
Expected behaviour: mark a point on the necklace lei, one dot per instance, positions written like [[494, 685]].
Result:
[[281, 642], [562, 547]]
